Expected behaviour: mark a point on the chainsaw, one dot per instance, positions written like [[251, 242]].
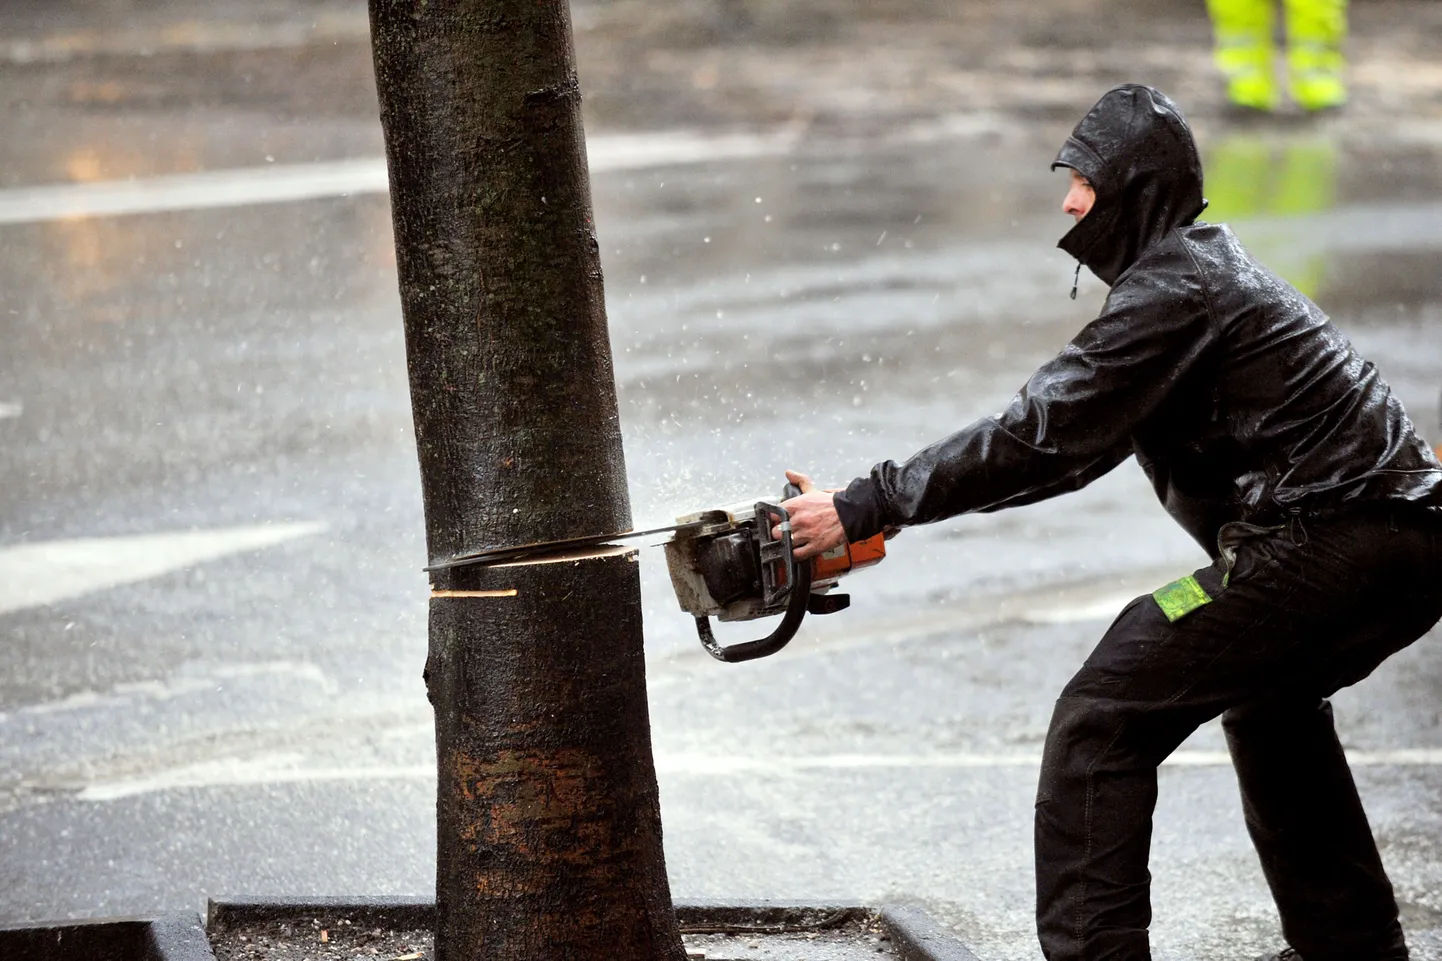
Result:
[[727, 563]]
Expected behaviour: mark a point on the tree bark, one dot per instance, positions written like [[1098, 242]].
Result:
[[548, 823]]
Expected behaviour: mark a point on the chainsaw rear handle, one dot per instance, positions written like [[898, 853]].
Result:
[[797, 586]]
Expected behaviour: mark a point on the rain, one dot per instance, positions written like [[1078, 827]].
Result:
[[828, 234]]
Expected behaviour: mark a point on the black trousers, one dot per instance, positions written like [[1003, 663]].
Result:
[[1305, 609]]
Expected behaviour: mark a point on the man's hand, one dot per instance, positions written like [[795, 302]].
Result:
[[815, 527]]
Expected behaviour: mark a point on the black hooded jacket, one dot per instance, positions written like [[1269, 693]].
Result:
[[1239, 398]]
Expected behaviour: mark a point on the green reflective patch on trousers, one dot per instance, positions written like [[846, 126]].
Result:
[[1180, 598]]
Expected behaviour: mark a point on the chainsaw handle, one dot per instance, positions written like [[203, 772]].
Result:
[[777, 639]]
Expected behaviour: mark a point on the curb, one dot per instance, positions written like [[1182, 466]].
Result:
[[387, 912], [183, 937], [917, 937], [175, 937]]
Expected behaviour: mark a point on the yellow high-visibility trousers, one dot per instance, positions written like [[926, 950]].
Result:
[[1246, 51]]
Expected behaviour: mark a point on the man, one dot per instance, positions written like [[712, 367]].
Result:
[[1286, 456]]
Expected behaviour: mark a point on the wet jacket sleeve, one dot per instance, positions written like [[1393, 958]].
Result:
[[1070, 424]]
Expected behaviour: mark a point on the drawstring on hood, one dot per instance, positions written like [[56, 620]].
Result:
[[1137, 152]]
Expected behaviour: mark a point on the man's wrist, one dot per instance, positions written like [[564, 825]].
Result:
[[859, 509]]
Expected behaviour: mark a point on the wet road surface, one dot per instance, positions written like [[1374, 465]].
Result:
[[210, 530]]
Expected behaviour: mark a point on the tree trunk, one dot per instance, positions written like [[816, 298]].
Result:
[[548, 824]]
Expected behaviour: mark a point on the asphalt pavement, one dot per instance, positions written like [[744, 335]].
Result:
[[211, 602]]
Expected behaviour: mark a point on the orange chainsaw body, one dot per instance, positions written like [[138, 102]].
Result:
[[828, 568]]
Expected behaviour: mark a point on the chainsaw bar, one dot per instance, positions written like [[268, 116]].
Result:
[[505, 555]]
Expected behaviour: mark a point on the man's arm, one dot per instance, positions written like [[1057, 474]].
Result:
[[1070, 424]]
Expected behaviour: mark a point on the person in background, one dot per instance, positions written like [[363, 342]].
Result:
[[1245, 52]]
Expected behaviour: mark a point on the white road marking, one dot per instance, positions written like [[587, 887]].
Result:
[[703, 764], [290, 768], [235, 773], [339, 178], [216, 188], [129, 694], [193, 36], [10, 409], [1102, 607], [33, 575]]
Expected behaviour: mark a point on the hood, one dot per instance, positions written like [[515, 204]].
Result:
[[1138, 153]]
